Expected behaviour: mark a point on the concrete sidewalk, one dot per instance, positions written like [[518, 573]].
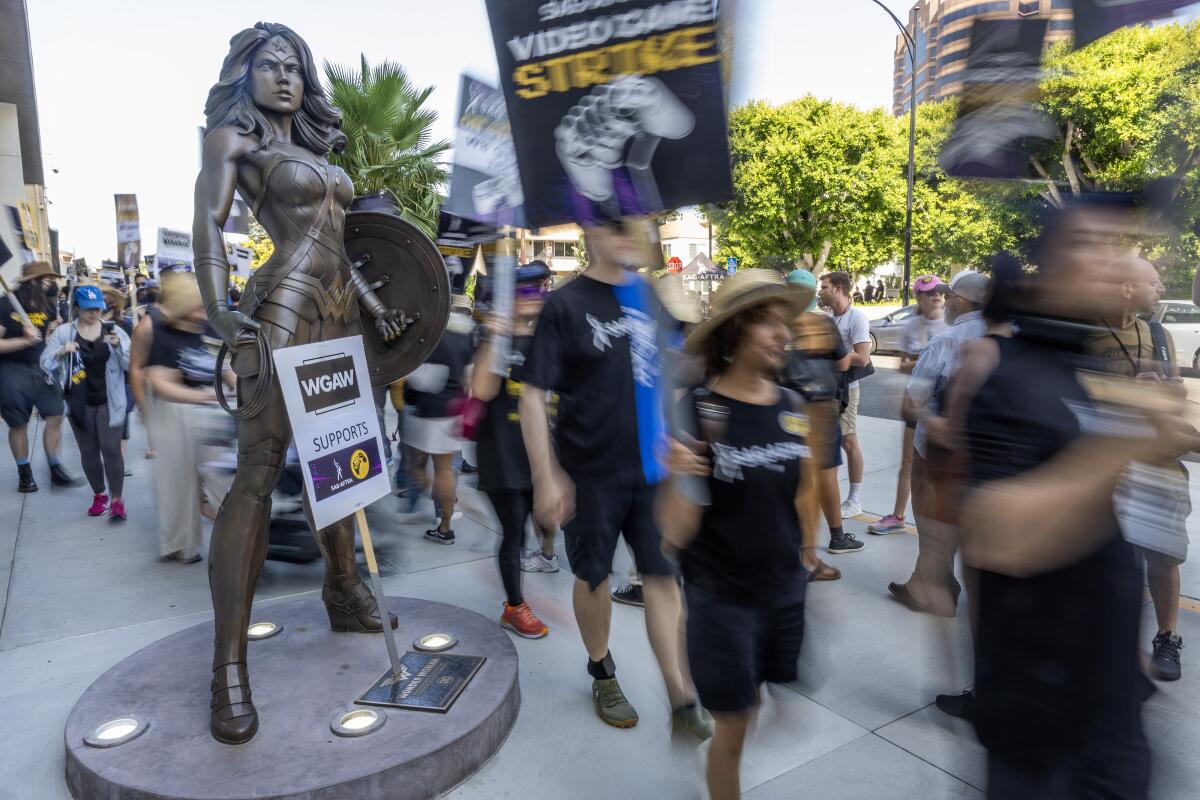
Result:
[[80, 594]]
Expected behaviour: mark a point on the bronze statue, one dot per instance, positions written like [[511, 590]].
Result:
[[269, 129]]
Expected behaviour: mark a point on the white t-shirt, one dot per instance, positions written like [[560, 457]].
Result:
[[854, 328], [918, 331]]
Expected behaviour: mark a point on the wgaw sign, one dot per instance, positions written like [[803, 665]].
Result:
[[334, 424]]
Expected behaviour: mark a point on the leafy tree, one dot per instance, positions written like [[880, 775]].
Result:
[[389, 147], [260, 243], [814, 181]]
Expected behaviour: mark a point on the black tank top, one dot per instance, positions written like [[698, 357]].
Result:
[[172, 348], [748, 546]]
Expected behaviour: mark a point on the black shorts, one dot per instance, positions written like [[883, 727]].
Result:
[[604, 513], [733, 649], [23, 387]]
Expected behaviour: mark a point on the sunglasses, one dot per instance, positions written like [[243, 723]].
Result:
[[530, 291]]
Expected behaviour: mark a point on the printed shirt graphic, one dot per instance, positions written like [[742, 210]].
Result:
[[748, 545], [14, 328], [600, 347]]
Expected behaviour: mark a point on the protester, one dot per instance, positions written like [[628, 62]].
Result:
[[114, 307], [431, 430], [932, 588], [23, 385], [179, 369], [816, 361], [503, 464], [1130, 347], [928, 322], [855, 330], [89, 360], [740, 553], [599, 345], [1059, 594]]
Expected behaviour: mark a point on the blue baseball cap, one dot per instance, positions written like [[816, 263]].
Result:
[[89, 297]]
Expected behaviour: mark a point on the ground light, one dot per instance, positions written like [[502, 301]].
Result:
[[357, 722], [262, 630], [115, 732], [435, 642]]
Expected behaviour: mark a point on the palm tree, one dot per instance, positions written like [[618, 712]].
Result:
[[389, 151]]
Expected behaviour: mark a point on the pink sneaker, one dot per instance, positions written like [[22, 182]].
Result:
[[99, 505], [889, 524], [116, 512]]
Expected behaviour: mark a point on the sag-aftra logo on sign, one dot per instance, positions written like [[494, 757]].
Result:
[[328, 384]]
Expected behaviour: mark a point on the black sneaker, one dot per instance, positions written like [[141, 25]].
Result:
[[60, 477], [434, 535], [630, 595], [961, 705], [846, 543], [468, 469], [1164, 661], [25, 481]]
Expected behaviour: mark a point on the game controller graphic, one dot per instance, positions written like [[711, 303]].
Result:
[[620, 125]]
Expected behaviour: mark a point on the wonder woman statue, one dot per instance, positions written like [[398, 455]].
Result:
[[269, 129]]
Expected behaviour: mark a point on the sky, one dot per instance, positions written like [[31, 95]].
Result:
[[121, 84]]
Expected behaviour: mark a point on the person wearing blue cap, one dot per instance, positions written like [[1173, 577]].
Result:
[[89, 359]]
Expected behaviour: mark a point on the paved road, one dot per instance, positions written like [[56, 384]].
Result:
[[880, 394]]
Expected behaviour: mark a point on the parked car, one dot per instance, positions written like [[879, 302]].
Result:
[[887, 330], [1181, 318]]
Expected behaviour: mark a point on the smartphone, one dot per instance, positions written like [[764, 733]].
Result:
[[106, 328]]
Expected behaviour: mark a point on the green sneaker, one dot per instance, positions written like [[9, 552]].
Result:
[[692, 719], [611, 704]]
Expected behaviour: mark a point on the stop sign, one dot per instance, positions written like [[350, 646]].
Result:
[[675, 264]]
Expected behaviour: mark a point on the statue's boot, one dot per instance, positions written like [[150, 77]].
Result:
[[236, 554], [350, 605]]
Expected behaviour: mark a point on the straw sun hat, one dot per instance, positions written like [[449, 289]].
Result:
[[180, 295], [746, 289]]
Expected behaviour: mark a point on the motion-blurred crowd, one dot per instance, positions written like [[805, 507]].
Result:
[[1045, 423]]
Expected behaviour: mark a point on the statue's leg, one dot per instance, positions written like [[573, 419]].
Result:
[[236, 555], [350, 605]]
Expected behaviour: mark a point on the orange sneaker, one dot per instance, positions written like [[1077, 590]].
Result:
[[521, 621]]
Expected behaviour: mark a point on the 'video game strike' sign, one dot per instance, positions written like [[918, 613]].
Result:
[[326, 388]]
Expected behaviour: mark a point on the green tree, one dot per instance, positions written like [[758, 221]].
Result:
[[389, 148], [815, 181], [260, 243]]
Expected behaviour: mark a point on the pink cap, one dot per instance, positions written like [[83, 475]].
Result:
[[927, 283]]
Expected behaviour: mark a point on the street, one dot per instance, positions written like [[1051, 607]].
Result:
[[81, 594]]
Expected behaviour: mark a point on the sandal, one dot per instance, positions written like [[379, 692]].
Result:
[[823, 572]]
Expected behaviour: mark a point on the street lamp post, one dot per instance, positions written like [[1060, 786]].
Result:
[[911, 46]]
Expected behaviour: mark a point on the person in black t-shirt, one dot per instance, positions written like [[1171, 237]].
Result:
[[503, 464], [741, 552], [23, 386], [599, 345], [178, 370], [431, 430], [89, 359], [114, 312], [1059, 593]]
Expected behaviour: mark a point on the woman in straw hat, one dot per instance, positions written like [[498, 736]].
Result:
[[740, 553], [178, 372]]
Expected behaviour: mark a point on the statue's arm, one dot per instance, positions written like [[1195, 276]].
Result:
[[215, 187], [389, 322]]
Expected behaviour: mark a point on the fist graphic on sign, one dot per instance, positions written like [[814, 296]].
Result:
[[620, 125]]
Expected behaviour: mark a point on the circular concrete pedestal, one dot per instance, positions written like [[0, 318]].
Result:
[[300, 678]]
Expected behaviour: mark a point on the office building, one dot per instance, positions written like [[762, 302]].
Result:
[[941, 30]]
